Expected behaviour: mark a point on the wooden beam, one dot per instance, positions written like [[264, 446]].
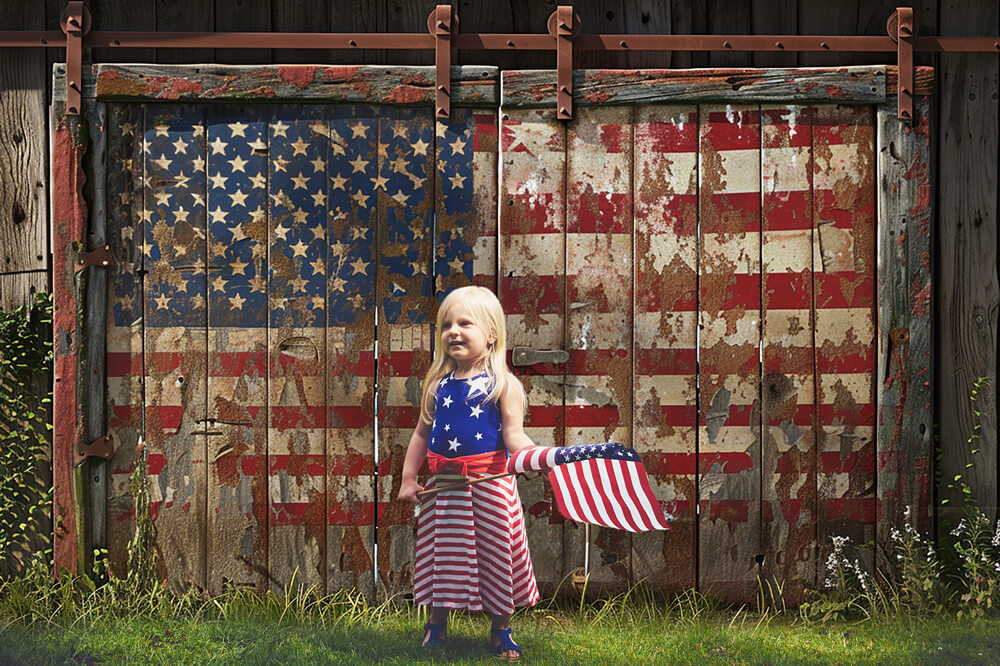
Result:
[[23, 188], [845, 85], [905, 371], [356, 84], [967, 292]]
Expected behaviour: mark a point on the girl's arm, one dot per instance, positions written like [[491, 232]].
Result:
[[512, 420], [416, 453]]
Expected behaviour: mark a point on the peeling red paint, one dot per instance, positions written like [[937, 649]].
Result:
[[340, 74], [68, 214], [298, 76], [407, 94]]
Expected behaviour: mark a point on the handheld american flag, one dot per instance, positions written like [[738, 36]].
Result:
[[602, 484]]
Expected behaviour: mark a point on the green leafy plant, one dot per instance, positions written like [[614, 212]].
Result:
[[25, 486]]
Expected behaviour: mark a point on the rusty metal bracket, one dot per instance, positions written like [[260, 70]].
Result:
[[97, 257], [99, 448], [902, 28], [75, 24], [564, 25], [442, 23]]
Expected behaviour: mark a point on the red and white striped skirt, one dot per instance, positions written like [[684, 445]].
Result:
[[472, 550]]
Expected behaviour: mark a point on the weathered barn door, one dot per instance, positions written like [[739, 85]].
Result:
[[706, 254], [703, 247]]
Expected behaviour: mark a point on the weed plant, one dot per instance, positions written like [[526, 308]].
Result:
[[25, 486]]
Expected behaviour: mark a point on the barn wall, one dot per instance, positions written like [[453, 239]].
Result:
[[966, 294]]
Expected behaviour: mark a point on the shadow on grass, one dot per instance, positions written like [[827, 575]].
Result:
[[242, 641]]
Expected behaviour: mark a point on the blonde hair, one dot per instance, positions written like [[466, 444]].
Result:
[[486, 312]]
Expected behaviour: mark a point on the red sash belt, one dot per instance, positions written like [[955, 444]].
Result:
[[491, 462]]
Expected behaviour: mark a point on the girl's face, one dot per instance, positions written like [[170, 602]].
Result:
[[463, 339]]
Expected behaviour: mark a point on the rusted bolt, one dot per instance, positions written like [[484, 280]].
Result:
[[44, 41], [442, 25], [442, 112], [442, 88], [563, 111], [779, 45], [563, 26], [905, 29], [352, 43], [564, 89], [904, 114], [72, 109], [996, 45], [824, 45], [116, 42], [623, 44], [505, 117], [904, 90], [510, 43], [73, 22], [727, 45], [900, 336]]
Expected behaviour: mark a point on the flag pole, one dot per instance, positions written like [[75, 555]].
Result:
[[462, 484]]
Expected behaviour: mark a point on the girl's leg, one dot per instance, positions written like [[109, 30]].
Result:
[[439, 616], [502, 623]]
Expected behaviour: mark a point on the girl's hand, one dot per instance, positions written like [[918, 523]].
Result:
[[408, 490]]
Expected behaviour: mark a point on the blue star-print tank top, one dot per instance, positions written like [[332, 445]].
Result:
[[465, 423]]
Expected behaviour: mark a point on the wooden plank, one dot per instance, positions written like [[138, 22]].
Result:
[[69, 220], [241, 16], [23, 189], [124, 322], [94, 287], [138, 15], [537, 88], [728, 17], [665, 338], [17, 289], [366, 84], [603, 18], [237, 547], [184, 16], [350, 379], [729, 310], [532, 290], [774, 17], [296, 441], [402, 182], [410, 16], [175, 348], [649, 18], [905, 368], [844, 293], [598, 387], [688, 18], [301, 16], [788, 401], [967, 291]]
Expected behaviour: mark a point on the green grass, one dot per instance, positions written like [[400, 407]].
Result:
[[547, 637]]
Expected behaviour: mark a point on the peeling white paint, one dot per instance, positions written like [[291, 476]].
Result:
[[791, 118]]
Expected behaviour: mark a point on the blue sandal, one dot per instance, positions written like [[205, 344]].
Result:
[[435, 637], [504, 644]]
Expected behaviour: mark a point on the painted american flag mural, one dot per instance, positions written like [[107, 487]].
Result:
[[244, 312], [686, 256], [259, 246]]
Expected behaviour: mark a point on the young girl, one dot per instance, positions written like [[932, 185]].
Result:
[[471, 549]]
